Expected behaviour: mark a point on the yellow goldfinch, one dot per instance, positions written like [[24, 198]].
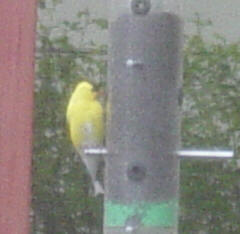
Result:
[[85, 119]]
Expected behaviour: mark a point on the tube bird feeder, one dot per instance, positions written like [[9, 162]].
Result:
[[143, 117]]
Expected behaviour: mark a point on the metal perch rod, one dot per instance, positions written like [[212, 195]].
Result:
[[185, 153]]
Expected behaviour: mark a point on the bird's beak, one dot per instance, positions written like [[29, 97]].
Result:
[[94, 94], [99, 94]]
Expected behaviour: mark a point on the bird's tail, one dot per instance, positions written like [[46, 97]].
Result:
[[92, 163]]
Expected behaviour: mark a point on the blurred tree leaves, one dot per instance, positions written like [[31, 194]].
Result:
[[61, 200], [210, 189]]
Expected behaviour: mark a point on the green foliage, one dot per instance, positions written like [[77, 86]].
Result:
[[102, 23], [61, 200], [42, 3], [209, 189]]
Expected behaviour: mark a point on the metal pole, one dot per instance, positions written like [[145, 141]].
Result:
[[184, 153], [206, 154], [142, 169]]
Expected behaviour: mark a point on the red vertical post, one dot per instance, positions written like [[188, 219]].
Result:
[[17, 28]]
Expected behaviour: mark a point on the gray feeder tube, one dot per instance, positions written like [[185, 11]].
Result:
[[143, 119]]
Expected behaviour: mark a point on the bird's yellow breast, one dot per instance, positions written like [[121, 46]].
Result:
[[85, 119]]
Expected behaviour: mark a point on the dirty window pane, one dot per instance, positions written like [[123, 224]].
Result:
[[72, 46]]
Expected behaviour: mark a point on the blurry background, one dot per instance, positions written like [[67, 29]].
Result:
[[72, 46], [225, 15]]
